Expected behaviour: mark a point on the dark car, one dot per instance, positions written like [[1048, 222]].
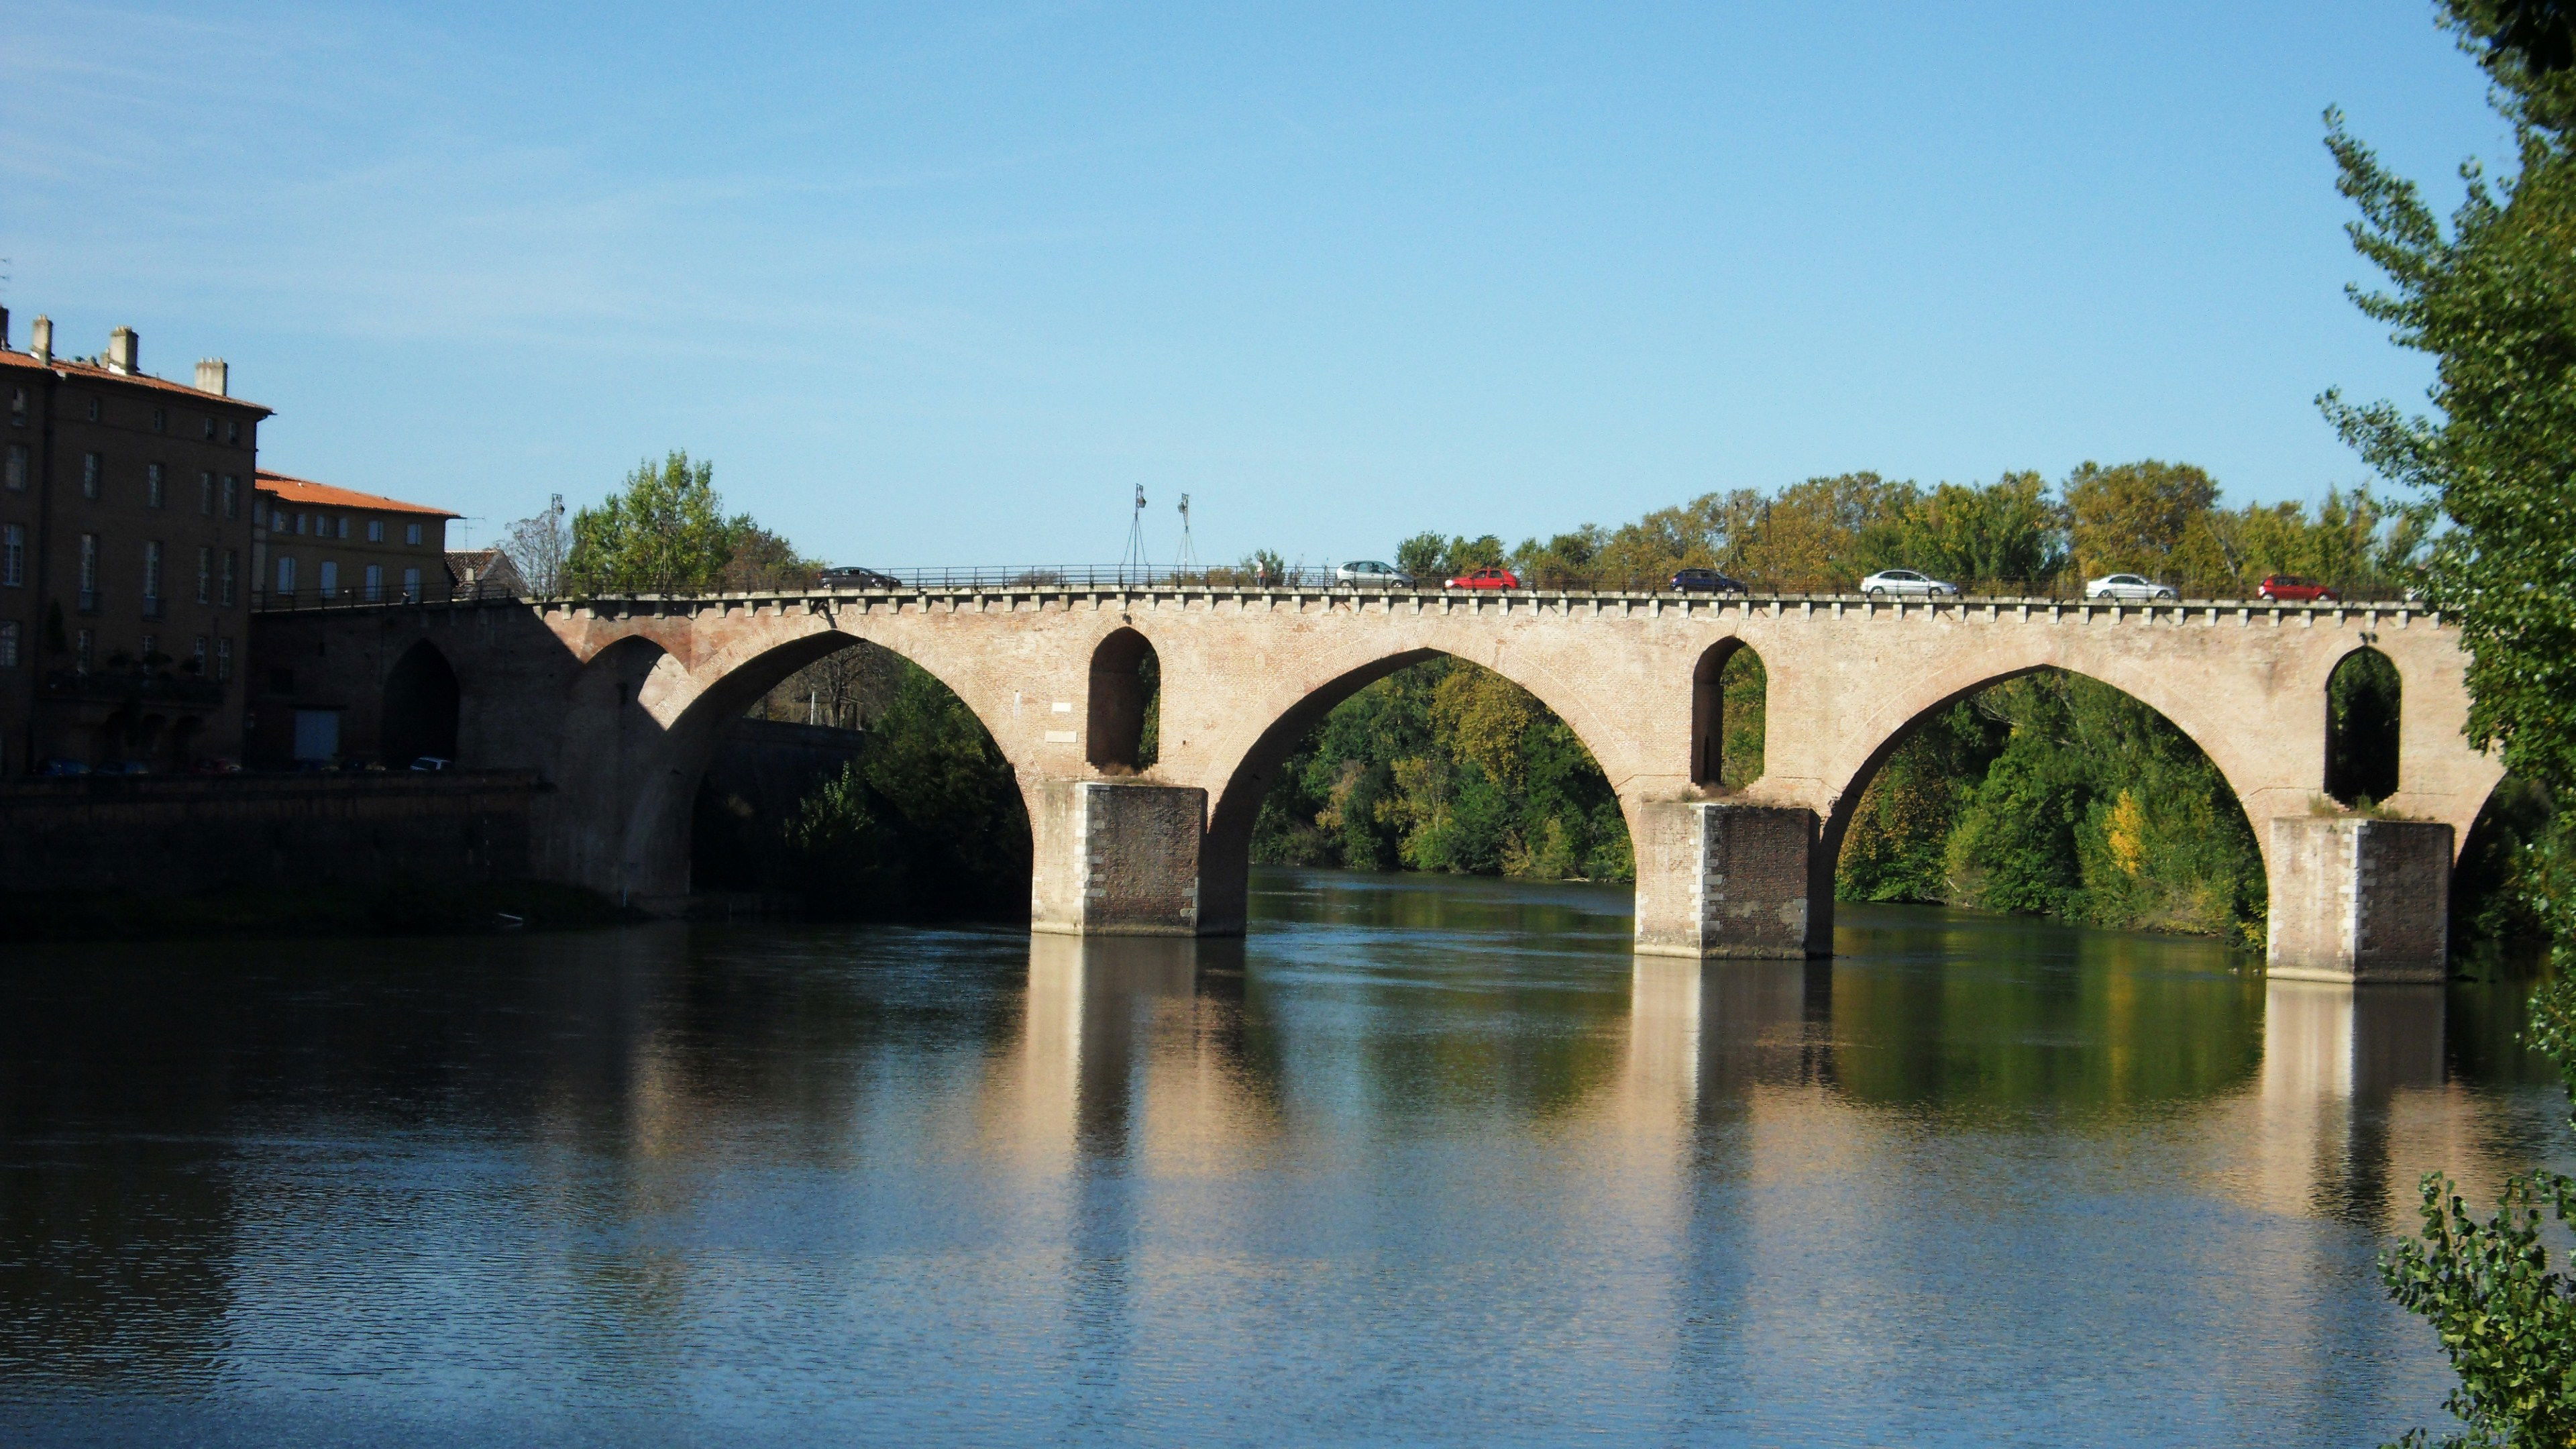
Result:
[[2292, 589], [1484, 579], [851, 576], [1705, 581], [63, 767]]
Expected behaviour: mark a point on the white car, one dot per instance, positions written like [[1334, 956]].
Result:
[[2126, 586], [1904, 581], [1368, 573]]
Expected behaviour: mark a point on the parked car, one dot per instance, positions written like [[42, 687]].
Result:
[[2292, 589], [430, 764], [1905, 581], [2125, 586], [63, 767], [1705, 581], [1484, 579], [123, 767], [217, 765], [851, 576], [1368, 573]]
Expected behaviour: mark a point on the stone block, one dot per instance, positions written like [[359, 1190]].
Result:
[[1117, 859], [1716, 879], [2356, 899]]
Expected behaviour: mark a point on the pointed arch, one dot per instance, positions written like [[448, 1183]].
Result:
[[1121, 726], [422, 700]]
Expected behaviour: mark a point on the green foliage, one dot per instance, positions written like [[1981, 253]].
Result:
[[1744, 709], [2056, 795], [927, 822], [2362, 697], [2493, 301], [1445, 767], [2132, 517], [665, 531]]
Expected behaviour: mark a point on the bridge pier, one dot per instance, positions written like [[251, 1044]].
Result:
[[1716, 879], [2356, 899], [1116, 859]]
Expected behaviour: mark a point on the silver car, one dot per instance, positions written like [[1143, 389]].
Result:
[[1368, 573], [2126, 586], [1904, 581]]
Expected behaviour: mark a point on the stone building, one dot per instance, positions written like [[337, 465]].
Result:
[[313, 543], [124, 554]]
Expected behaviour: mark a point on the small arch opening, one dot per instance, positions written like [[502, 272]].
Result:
[[1729, 692], [2362, 705], [1126, 704], [421, 705]]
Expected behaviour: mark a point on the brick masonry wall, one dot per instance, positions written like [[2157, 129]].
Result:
[[182, 835]]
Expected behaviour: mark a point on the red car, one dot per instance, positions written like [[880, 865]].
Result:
[[1484, 579], [2291, 589]]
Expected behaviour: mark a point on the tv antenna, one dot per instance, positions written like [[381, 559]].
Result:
[[1189, 558], [1134, 557]]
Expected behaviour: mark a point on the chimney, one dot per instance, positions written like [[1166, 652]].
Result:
[[121, 352], [4, 329], [42, 344], [214, 376]]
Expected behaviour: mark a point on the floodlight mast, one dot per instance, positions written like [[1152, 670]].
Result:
[[1134, 557], [1188, 562]]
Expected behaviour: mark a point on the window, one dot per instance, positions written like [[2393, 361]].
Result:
[[91, 466], [285, 574], [299, 523], [411, 533], [13, 556], [375, 583], [330, 579], [151, 485], [375, 530], [232, 431], [160, 419], [232, 562], [224, 658], [206, 494], [151, 577], [93, 410], [411, 586], [81, 651], [89, 571], [210, 430], [232, 496], [259, 512], [344, 525], [197, 665], [151, 650], [205, 575], [17, 474], [18, 407], [9, 645]]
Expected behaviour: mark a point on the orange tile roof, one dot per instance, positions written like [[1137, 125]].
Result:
[[90, 371], [323, 495]]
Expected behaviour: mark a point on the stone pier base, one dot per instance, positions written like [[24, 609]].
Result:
[[2360, 900], [1727, 880], [1116, 859]]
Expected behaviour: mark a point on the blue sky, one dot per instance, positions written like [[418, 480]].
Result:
[[939, 284]]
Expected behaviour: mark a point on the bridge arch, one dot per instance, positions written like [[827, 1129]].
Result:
[[1715, 737], [658, 819], [2364, 699], [1837, 820], [1122, 701], [1226, 851]]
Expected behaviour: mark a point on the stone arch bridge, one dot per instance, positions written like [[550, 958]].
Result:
[[617, 704]]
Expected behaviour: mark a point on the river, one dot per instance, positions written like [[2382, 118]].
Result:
[[1421, 1161]]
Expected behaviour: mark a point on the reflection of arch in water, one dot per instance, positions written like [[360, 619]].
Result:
[[1824, 866], [1123, 702], [421, 703], [2364, 703], [1225, 855]]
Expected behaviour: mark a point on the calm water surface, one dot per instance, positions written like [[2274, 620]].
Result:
[[1422, 1161]]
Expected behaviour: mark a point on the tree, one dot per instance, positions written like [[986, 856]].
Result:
[[664, 532], [2132, 517], [2006, 532], [2493, 300], [537, 546]]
